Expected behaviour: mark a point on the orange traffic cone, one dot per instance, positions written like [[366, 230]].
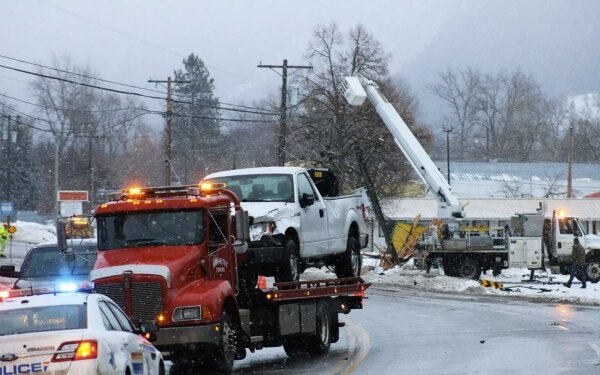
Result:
[[262, 282]]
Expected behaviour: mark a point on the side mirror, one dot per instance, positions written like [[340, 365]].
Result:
[[148, 330], [242, 226], [9, 271], [61, 235], [307, 200]]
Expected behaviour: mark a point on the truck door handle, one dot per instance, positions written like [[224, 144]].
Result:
[[321, 212]]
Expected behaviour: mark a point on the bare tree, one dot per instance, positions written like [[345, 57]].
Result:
[[352, 142], [77, 116], [459, 91]]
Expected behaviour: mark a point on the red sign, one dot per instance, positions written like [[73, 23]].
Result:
[[73, 195]]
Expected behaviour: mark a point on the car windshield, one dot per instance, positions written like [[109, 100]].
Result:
[[260, 188], [155, 228], [49, 261], [42, 319]]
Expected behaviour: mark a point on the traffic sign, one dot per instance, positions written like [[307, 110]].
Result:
[[7, 208], [72, 196]]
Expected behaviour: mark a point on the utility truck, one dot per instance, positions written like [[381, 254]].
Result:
[[537, 242], [297, 223], [465, 257], [172, 255]]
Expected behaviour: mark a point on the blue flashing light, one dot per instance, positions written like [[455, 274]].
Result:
[[67, 287]]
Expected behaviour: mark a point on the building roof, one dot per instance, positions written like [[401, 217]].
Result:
[[491, 209], [593, 195]]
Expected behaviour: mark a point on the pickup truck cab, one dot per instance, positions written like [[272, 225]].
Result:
[[293, 224]]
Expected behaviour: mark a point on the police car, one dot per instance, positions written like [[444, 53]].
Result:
[[72, 333]]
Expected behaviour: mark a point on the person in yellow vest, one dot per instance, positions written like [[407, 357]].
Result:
[[4, 235]]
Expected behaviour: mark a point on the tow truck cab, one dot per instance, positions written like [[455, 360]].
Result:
[[167, 255]]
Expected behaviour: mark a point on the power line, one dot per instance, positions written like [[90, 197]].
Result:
[[109, 81], [133, 93], [103, 128], [73, 110]]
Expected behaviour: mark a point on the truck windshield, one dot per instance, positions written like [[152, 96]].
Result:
[[154, 228], [260, 188]]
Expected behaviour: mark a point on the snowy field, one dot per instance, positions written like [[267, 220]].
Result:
[[516, 281]]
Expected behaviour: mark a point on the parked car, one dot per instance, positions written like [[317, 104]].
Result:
[[44, 265], [73, 333]]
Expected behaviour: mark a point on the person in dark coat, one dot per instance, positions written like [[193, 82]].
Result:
[[579, 266]]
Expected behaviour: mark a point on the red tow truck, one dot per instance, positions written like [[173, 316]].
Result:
[[176, 256]]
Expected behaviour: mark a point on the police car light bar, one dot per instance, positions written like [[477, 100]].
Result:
[[62, 287]]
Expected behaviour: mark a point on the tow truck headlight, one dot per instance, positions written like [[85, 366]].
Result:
[[261, 229], [187, 313]]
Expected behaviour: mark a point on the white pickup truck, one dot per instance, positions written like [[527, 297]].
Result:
[[294, 224]]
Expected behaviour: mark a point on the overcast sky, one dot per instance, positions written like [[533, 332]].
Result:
[[132, 41]]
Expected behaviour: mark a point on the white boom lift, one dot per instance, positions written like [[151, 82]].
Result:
[[356, 90]]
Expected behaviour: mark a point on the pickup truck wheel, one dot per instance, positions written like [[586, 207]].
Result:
[[288, 269], [592, 271], [469, 269], [349, 263]]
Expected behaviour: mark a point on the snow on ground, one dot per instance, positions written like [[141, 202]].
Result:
[[515, 282]]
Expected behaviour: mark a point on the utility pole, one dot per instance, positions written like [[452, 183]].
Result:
[[570, 164], [169, 127], [282, 118], [448, 130]]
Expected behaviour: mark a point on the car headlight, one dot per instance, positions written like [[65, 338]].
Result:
[[261, 229], [187, 313]]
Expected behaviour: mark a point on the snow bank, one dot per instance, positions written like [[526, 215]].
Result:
[[515, 281], [33, 233]]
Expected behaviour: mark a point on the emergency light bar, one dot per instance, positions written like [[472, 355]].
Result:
[[61, 287]]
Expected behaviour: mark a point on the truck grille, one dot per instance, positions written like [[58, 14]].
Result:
[[146, 299]]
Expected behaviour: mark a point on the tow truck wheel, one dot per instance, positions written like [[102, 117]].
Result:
[[221, 360], [592, 271], [288, 269], [349, 263], [469, 269], [311, 345]]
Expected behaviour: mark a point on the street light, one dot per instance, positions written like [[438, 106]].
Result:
[[448, 129]]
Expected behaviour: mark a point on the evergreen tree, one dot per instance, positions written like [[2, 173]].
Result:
[[196, 130], [19, 171]]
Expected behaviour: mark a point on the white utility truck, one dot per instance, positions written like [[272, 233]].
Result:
[[464, 257], [297, 223], [537, 242]]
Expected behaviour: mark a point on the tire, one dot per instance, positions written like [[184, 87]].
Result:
[[469, 269], [221, 360], [289, 268], [315, 344], [592, 271], [349, 263]]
